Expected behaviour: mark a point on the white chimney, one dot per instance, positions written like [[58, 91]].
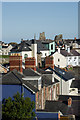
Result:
[[58, 50], [53, 77], [34, 49], [68, 49]]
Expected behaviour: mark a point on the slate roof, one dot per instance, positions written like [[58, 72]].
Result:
[[30, 85], [15, 78], [65, 53], [78, 41], [40, 46], [75, 53], [56, 106], [75, 84], [30, 72], [41, 71], [62, 73], [72, 53], [21, 47], [47, 80], [66, 97]]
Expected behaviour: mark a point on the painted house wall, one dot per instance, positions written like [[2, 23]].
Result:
[[58, 60], [29, 53], [44, 53], [64, 85], [50, 92], [47, 115], [28, 93], [10, 90], [73, 60], [51, 50]]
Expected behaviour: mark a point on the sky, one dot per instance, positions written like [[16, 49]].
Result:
[[24, 19], [79, 20]]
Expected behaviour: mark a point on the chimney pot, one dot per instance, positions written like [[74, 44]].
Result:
[[69, 102]]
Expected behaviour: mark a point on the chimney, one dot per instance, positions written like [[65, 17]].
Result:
[[69, 102], [68, 49], [30, 63], [49, 62], [15, 61], [53, 77], [58, 50], [34, 49]]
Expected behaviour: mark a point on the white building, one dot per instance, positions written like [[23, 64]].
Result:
[[63, 58], [65, 80], [6, 49]]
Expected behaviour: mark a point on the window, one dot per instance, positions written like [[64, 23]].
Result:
[[25, 55], [58, 59], [52, 47], [45, 54]]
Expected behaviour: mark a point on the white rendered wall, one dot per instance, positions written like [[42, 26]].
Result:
[[62, 60], [73, 60], [29, 53], [44, 53]]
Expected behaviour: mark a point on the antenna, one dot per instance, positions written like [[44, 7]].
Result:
[[34, 36]]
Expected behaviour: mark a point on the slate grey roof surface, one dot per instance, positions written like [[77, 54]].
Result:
[[30, 72], [75, 53], [40, 46], [33, 82], [12, 77], [47, 80], [72, 53], [78, 41], [35, 89], [65, 53], [66, 97], [75, 84], [41, 71], [15, 78], [21, 47], [56, 106], [62, 73]]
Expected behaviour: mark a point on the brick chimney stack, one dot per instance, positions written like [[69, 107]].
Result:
[[49, 62], [15, 61], [30, 63], [69, 102]]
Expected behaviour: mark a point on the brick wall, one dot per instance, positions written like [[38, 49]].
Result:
[[49, 62], [30, 63], [15, 63]]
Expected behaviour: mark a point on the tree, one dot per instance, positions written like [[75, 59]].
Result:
[[19, 108]]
